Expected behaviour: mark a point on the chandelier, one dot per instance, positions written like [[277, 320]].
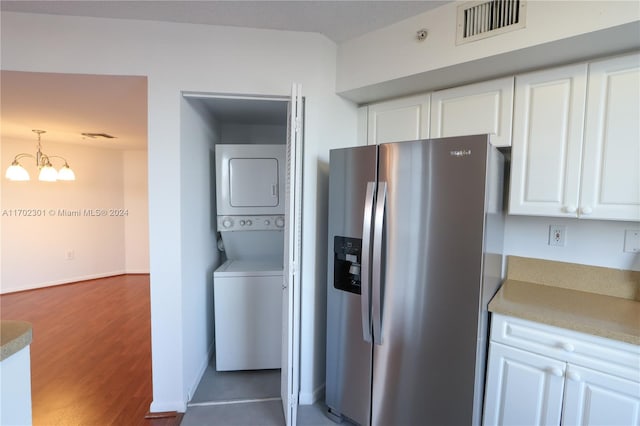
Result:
[[47, 173]]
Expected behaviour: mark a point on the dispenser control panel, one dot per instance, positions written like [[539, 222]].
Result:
[[347, 254]]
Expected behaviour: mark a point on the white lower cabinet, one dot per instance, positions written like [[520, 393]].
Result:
[[595, 398], [544, 375], [522, 388]]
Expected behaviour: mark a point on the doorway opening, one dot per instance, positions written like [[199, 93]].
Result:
[[244, 140], [91, 233]]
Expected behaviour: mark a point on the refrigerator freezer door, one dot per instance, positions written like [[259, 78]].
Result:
[[424, 370], [348, 381]]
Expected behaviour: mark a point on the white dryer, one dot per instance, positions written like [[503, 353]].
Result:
[[250, 179]]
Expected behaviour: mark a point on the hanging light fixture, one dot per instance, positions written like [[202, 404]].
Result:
[[47, 173]]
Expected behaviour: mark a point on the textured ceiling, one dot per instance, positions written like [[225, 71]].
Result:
[[64, 105], [338, 20]]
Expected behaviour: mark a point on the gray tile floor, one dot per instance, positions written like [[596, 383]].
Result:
[[245, 398], [237, 385]]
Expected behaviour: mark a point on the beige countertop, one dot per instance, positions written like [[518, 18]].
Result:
[[594, 300], [14, 336]]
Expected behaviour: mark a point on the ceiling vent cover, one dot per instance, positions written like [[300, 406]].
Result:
[[98, 135], [482, 19]]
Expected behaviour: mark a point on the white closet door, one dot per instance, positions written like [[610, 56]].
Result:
[[398, 120], [290, 372], [546, 154], [611, 175]]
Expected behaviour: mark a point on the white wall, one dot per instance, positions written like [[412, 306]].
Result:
[[195, 58], [102, 246], [200, 255], [232, 133], [34, 249], [588, 242], [338, 130], [136, 204], [392, 60]]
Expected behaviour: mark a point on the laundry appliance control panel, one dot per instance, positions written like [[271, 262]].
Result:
[[251, 223]]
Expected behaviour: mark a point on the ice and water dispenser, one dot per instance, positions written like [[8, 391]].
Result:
[[347, 253]]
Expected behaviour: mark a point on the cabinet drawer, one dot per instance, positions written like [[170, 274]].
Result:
[[610, 356]]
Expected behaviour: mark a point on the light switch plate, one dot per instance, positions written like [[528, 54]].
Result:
[[632, 240]]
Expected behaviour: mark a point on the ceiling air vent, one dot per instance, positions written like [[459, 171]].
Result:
[[98, 135], [482, 19]]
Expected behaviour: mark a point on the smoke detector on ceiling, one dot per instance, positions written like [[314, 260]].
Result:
[[482, 19]]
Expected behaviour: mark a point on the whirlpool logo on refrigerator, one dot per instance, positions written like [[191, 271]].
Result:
[[460, 153]]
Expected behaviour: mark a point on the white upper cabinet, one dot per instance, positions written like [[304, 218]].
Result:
[[574, 134], [398, 120], [474, 109], [548, 119], [576, 141], [611, 165]]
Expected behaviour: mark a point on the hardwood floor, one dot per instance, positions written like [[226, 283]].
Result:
[[91, 351]]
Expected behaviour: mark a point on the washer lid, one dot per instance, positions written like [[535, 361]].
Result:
[[248, 268]]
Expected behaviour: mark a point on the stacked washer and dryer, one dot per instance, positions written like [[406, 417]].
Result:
[[248, 286]]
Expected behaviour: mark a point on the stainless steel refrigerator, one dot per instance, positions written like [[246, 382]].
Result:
[[415, 254]]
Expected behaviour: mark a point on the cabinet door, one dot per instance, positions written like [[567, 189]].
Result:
[[363, 113], [611, 174], [522, 388], [594, 398], [398, 120], [546, 149], [474, 109]]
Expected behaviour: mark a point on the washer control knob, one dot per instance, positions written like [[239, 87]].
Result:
[[267, 222], [227, 222], [249, 223], [280, 222], [242, 222]]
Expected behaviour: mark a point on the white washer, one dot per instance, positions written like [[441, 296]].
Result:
[[248, 315]]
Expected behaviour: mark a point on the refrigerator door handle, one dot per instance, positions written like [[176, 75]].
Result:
[[376, 273], [365, 271]]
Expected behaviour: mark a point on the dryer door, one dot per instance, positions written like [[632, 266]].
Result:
[[250, 179], [253, 182]]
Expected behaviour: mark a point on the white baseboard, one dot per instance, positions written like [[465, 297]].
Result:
[[137, 271], [164, 406], [203, 368], [68, 280], [310, 398]]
